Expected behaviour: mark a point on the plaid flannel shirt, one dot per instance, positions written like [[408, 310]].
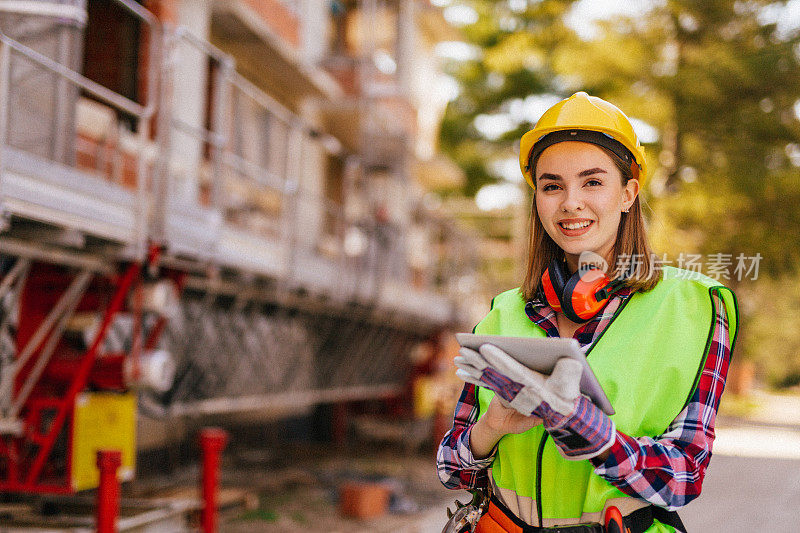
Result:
[[667, 471]]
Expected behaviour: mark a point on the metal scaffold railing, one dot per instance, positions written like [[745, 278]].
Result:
[[49, 138], [276, 291]]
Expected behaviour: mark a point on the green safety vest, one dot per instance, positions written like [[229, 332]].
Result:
[[648, 361]]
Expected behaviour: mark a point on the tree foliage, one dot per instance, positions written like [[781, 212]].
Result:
[[515, 63], [720, 83]]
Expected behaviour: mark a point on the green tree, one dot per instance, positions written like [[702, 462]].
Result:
[[720, 83], [720, 86], [515, 39]]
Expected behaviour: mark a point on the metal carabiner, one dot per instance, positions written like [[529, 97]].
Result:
[[466, 515]]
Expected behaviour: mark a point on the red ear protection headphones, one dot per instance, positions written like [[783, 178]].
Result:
[[581, 296]]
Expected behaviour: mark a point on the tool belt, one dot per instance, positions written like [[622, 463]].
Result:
[[498, 519]]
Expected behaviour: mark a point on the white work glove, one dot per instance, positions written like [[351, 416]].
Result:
[[524, 389], [579, 428]]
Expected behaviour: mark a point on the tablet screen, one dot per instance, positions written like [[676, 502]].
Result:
[[540, 354]]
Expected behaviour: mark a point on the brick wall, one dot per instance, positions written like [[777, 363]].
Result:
[[164, 10], [279, 18]]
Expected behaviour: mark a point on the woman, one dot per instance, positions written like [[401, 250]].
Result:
[[659, 342]]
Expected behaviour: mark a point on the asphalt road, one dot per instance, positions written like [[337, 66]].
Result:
[[747, 495], [752, 483]]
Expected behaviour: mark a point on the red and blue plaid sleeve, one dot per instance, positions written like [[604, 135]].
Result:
[[668, 471], [456, 466]]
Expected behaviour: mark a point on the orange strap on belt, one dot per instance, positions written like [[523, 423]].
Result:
[[614, 522], [495, 521]]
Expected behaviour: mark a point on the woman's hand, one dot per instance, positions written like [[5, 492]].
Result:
[[499, 420], [502, 418]]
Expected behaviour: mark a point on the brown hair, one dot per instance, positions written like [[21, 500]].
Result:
[[631, 244]]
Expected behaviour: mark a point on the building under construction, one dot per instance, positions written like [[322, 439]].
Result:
[[207, 208]]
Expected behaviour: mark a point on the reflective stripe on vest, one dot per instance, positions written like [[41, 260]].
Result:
[[648, 360]]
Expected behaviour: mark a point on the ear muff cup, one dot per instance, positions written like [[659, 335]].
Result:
[[575, 295], [553, 282], [558, 276], [580, 294], [566, 298], [548, 290]]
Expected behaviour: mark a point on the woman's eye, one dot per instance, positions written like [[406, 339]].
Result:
[[594, 182], [550, 187]]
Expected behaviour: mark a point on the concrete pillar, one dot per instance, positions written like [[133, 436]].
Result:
[[190, 94], [406, 44], [314, 30]]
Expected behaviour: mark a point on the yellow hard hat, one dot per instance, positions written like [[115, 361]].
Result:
[[584, 118]]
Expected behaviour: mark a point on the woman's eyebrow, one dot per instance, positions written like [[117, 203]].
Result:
[[583, 173], [590, 171], [548, 176]]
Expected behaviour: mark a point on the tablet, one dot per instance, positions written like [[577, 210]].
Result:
[[540, 354]]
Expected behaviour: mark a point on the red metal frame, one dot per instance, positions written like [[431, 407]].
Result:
[[26, 462]]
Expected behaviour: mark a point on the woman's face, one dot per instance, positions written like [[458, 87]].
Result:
[[580, 198]]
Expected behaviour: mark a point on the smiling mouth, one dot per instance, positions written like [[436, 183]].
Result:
[[575, 225]]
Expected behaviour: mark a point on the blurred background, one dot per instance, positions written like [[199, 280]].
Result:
[[270, 216]]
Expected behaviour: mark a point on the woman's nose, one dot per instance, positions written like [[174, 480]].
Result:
[[572, 200]]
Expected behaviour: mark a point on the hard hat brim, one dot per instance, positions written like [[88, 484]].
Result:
[[532, 137]]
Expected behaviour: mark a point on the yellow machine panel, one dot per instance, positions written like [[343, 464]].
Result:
[[102, 420]]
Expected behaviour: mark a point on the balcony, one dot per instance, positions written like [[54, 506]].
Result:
[[264, 36]]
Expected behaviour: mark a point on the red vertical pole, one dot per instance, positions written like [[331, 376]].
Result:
[[108, 461], [212, 442]]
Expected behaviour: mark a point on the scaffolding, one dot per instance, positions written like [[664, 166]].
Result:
[[130, 229]]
